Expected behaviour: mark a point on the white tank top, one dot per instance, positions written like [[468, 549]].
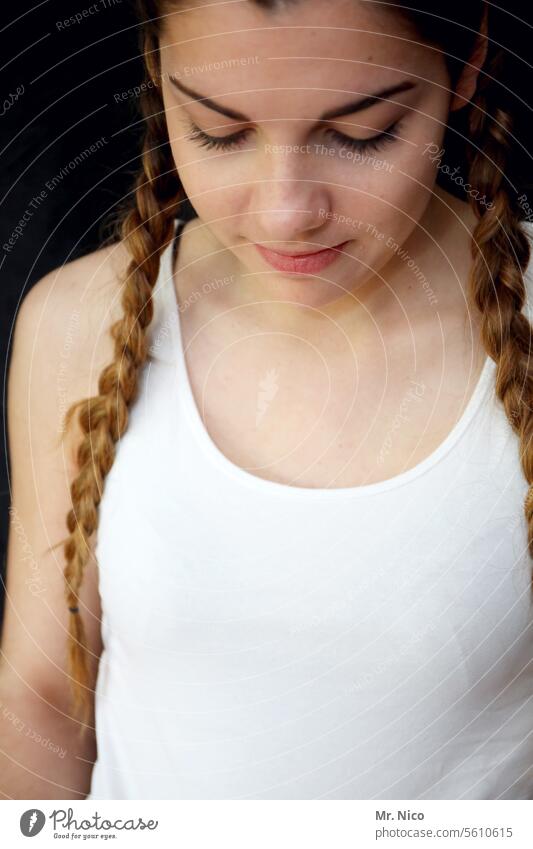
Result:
[[267, 641]]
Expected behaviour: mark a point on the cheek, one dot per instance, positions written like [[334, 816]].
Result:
[[408, 191], [387, 206], [202, 183], [391, 186], [397, 198]]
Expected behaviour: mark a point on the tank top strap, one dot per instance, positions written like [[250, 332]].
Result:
[[527, 227], [163, 331]]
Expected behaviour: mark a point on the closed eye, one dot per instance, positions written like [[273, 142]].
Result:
[[216, 142], [364, 145], [234, 140]]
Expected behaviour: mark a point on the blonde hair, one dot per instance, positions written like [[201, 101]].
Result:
[[146, 229], [500, 252]]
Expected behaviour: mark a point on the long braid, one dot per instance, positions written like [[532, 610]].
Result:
[[501, 252], [146, 229]]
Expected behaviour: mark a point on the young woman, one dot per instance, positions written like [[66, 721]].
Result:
[[298, 562]]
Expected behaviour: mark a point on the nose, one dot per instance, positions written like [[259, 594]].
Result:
[[290, 200]]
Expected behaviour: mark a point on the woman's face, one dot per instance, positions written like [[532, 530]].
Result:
[[303, 157]]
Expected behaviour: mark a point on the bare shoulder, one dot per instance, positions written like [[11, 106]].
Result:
[[89, 274], [85, 292], [62, 330]]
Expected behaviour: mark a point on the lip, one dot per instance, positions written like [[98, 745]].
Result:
[[304, 263]]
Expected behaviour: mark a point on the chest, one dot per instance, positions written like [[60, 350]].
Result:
[[436, 567], [307, 416]]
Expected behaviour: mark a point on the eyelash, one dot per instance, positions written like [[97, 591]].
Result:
[[372, 144], [232, 142]]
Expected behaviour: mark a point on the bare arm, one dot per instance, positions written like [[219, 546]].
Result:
[[42, 755]]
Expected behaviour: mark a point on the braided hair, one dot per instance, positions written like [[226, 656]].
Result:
[[500, 252], [146, 228]]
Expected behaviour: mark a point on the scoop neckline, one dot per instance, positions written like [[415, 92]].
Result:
[[184, 393]]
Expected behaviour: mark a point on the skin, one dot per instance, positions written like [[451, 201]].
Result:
[[359, 332]]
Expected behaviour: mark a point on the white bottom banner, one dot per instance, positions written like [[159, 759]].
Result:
[[268, 824]]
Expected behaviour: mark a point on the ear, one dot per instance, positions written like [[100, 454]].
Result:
[[467, 82]]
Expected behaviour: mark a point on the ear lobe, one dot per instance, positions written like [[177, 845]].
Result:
[[467, 82]]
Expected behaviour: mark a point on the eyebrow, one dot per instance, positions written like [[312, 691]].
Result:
[[347, 109]]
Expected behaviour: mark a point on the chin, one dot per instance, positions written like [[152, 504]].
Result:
[[307, 290]]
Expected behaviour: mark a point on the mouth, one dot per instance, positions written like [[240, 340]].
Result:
[[301, 262]]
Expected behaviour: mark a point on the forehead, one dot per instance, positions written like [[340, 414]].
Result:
[[313, 47]]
